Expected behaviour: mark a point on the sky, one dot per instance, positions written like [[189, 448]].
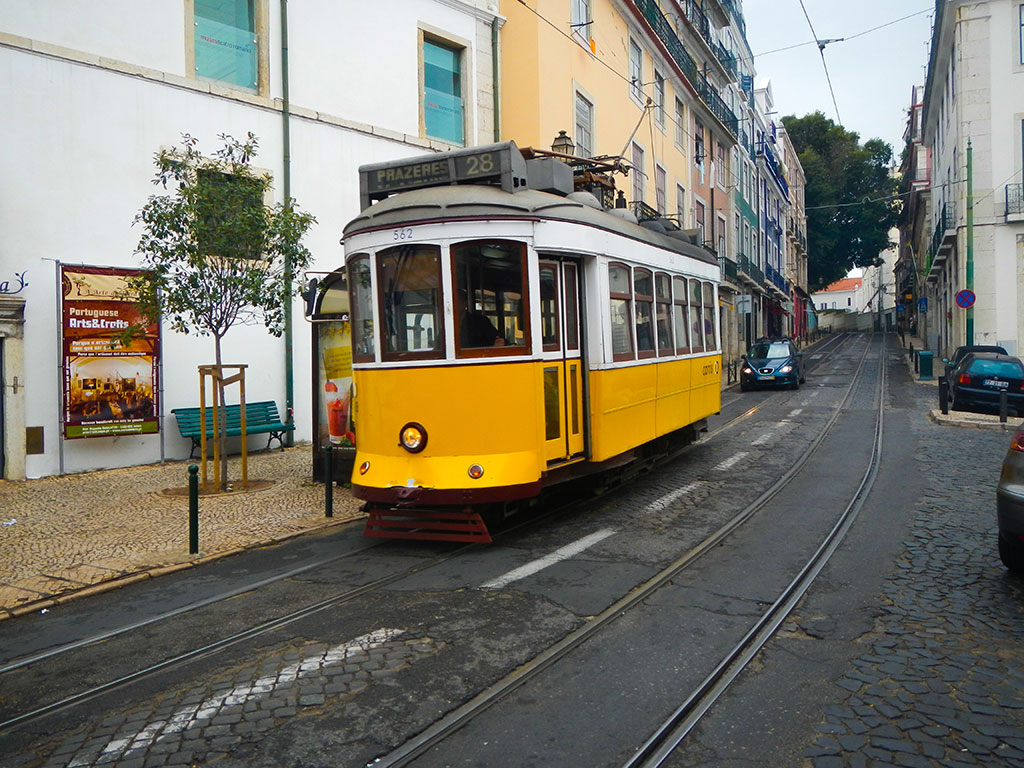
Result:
[[872, 72]]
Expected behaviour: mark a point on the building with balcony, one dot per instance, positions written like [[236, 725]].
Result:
[[93, 91], [914, 232], [972, 132]]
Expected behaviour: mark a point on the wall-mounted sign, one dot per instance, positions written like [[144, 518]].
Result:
[[8, 286], [109, 389], [965, 299]]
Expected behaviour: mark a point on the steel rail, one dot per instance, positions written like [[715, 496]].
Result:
[[462, 715], [661, 744]]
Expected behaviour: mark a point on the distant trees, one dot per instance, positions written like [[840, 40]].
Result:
[[848, 221]]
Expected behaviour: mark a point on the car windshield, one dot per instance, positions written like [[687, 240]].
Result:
[[1005, 368], [769, 350]]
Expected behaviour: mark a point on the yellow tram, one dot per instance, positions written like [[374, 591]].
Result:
[[509, 332]]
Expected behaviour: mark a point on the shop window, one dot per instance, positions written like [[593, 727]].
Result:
[[490, 298], [621, 299], [409, 280]]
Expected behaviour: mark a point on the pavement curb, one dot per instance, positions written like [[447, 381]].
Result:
[[52, 601]]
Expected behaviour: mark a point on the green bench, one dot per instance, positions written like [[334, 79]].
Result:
[[260, 418]]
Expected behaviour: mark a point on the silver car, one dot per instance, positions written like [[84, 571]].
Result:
[[1010, 506]]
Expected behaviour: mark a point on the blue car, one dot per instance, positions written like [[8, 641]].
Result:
[[772, 363]]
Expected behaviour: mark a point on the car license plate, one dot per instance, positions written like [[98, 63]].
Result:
[[766, 378], [996, 383]]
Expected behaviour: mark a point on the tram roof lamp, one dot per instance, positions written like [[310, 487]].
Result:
[[563, 144]]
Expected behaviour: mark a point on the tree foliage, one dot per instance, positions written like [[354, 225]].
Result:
[[215, 253], [847, 222]]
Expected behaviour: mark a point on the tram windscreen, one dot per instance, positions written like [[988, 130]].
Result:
[[490, 298], [410, 281]]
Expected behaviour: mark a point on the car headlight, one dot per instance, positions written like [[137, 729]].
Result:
[[413, 437], [747, 369], [786, 369]]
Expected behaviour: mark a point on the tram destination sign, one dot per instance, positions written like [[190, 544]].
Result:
[[499, 164]]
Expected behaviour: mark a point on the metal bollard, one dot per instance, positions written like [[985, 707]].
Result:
[[328, 480], [1002, 407], [193, 509], [943, 395]]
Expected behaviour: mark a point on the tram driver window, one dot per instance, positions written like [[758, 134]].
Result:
[[490, 297], [409, 277], [361, 302]]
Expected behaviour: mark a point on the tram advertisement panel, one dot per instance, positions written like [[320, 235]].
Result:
[[109, 389]]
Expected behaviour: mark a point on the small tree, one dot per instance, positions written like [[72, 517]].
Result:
[[215, 253]]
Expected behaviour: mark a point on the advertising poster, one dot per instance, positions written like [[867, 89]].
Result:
[[109, 389], [336, 375]]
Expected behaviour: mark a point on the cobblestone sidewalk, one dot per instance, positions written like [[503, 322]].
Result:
[[61, 537]]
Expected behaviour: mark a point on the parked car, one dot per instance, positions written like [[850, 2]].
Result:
[[772, 363], [1010, 506], [959, 352], [979, 379]]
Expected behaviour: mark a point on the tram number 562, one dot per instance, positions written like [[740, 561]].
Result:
[[405, 233]]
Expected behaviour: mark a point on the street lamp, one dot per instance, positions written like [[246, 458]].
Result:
[[563, 145]]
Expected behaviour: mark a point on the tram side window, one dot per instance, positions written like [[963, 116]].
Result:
[[361, 301], [696, 319], [549, 306], [409, 280], [663, 296], [679, 307], [491, 305], [710, 342], [643, 296], [620, 295]]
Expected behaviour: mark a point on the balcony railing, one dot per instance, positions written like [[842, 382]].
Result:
[[1014, 198], [945, 226], [643, 211], [748, 267], [729, 269], [705, 91]]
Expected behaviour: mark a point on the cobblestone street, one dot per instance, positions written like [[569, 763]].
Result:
[[942, 679]]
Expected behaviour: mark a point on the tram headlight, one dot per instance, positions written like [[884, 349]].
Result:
[[413, 437], [364, 468], [476, 471]]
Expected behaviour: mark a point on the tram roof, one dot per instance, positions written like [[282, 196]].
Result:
[[467, 202]]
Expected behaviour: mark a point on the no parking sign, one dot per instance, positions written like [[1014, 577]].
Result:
[[965, 299]]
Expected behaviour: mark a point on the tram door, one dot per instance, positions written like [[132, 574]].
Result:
[[563, 363]]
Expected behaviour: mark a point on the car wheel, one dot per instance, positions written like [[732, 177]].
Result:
[[1011, 553], [795, 384]]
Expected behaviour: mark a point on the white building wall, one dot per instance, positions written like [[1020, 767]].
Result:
[[86, 129]]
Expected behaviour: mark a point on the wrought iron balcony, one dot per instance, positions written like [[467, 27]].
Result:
[[1014, 199], [643, 211], [729, 269], [945, 229], [705, 90], [749, 268]]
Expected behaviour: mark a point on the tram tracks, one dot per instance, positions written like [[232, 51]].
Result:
[[222, 645], [670, 733]]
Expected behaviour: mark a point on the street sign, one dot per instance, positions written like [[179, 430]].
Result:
[[922, 305], [965, 299], [900, 309]]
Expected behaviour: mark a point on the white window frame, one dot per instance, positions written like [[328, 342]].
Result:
[[639, 175], [661, 188], [659, 99], [681, 205], [584, 148], [580, 21], [636, 71], [680, 125]]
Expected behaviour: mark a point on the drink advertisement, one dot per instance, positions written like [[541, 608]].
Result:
[[109, 389], [336, 375]]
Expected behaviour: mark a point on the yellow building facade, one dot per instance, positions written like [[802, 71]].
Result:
[[653, 82]]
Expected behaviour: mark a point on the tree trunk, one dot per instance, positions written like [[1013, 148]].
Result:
[[222, 425]]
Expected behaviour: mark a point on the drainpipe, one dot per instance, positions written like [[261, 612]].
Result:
[[496, 96], [286, 182]]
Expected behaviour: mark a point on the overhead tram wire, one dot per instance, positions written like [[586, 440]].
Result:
[[821, 50]]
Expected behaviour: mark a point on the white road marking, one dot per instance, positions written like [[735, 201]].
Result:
[[188, 716], [731, 461], [668, 498], [569, 550], [761, 439], [795, 412]]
